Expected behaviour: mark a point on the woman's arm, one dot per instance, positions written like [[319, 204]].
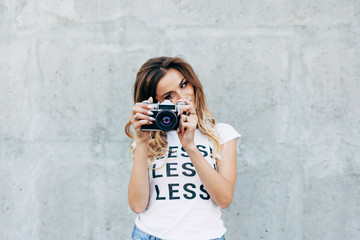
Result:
[[138, 191], [219, 184]]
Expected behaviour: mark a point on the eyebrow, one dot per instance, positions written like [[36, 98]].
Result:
[[181, 83]]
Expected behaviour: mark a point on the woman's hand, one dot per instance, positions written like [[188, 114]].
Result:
[[188, 124], [141, 115]]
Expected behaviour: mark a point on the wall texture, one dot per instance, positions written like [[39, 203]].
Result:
[[284, 73]]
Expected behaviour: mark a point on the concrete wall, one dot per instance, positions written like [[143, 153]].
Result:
[[284, 73]]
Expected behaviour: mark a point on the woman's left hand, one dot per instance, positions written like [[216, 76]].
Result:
[[188, 124]]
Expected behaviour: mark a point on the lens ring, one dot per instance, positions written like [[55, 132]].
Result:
[[166, 120]]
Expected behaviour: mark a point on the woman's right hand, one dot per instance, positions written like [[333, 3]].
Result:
[[141, 115]]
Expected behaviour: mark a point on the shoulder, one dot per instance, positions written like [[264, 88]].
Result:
[[227, 133], [224, 128]]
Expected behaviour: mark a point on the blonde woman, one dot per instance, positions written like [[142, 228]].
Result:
[[181, 178]]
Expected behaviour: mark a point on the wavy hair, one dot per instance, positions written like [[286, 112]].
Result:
[[145, 85]]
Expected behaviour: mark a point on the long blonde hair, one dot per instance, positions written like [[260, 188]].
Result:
[[145, 85]]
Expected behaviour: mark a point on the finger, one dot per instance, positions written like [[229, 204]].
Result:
[[187, 101], [187, 109], [184, 118], [179, 130], [187, 122], [189, 118], [144, 105], [188, 126], [144, 110], [140, 116], [137, 124], [184, 123], [182, 128]]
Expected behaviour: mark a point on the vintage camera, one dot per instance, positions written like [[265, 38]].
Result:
[[166, 116]]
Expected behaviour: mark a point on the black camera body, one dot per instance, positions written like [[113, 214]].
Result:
[[166, 116]]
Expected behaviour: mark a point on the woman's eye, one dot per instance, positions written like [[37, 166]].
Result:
[[169, 96], [183, 85]]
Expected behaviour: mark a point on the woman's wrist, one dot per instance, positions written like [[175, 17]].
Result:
[[190, 148], [141, 145], [143, 142], [141, 151]]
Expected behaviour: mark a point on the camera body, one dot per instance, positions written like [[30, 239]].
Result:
[[166, 116]]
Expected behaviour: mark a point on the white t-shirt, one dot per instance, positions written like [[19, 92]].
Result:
[[179, 206]]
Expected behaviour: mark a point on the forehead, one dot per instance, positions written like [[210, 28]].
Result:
[[169, 82]]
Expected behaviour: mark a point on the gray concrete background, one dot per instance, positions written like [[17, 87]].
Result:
[[284, 73]]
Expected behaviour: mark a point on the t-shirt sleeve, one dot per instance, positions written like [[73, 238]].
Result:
[[227, 133]]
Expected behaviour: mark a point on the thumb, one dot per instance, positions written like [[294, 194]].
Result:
[[150, 99]]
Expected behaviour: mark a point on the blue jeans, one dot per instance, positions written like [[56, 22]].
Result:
[[137, 234]]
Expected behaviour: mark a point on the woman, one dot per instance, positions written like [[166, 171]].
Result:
[[180, 179]]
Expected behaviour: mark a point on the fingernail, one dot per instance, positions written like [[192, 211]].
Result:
[[152, 119], [150, 113]]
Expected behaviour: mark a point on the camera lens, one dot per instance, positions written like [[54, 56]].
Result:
[[166, 120]]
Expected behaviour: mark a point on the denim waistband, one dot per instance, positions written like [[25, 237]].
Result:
[[138, 234]]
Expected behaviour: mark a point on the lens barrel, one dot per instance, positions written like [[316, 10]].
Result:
[[166, 120]]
